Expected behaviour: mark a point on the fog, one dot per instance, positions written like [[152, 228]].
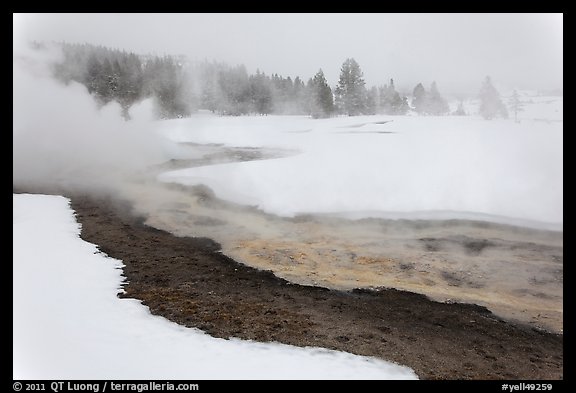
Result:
[[457, 51], [62, 138]]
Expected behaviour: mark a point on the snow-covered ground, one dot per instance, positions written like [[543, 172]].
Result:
[[69, 324], [391, 166], [533, 106]]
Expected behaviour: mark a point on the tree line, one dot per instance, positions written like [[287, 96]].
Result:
[[181, 87], [114, 75]]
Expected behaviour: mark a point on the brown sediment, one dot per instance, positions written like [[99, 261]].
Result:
[[189, 281], [515, 272]]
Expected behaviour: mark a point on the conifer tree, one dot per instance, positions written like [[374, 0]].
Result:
[[436, 104], [322, 99], [515, 105], [491, 105], [419, 99], [351, 95]]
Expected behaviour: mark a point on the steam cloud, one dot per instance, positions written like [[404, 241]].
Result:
[[60, 136]]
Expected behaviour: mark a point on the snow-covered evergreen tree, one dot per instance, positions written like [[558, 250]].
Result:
[[322, 101], [351, 94], [516, 104], [260, 93], [391, 103], [460, 110], [372, 99], [435, 103], [419, 99], [491, 105]]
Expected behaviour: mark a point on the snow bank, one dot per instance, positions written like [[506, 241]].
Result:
[[498, 170], [69, 324]]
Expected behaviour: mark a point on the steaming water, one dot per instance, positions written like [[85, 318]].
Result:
[[515, 272], [61, 138]]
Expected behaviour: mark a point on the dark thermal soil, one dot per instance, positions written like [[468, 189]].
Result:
[[188, 280]]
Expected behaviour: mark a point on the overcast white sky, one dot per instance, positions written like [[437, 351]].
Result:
[[456, 50]]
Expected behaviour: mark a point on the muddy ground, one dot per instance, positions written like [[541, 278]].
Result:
[[189, 281], [516, 271]]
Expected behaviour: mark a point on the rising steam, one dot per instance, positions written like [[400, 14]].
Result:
[[61, 138]]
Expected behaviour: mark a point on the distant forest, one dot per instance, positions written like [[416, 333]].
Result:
[[181, 87]]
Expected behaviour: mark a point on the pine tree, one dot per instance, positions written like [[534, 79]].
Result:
[[516, 104], [351, 93], [491, 105], [371, 101], [93, 75], [460, 110], [234, 83], [436, 104], [260, 93], [322, 104], [404, 107], [386, 95], [391, 101], [299, 95], [210, 92], [419, 99]]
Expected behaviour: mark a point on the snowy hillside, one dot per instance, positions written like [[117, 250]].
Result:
[[69, 324]]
